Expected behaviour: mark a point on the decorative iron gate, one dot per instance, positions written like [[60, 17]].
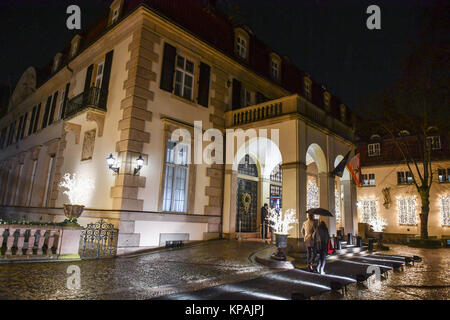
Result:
[[98, 240], [246, 217]]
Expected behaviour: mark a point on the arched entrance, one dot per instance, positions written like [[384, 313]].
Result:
[[345, 199], [247, 195]]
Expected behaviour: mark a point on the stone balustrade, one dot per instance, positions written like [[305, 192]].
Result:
[[291, 105], [38, 242]]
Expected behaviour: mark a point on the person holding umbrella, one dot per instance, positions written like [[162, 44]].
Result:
[[322, 237], [308, 229]]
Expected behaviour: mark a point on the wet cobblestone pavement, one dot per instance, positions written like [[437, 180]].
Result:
[[425, 280], [141, 277], [207, 265]]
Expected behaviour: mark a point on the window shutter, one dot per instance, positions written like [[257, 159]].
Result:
[[33, 115], [46, 112], [237, 86], [22, 132], [203, 84], [66, 98], [168, 67], [52, 112], [36, 120], [87, 83], [105, 79]]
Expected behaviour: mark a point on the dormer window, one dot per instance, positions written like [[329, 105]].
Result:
[[343, 118], [57, 62], [434, 142], [308, 90], [75, 45], [327, 100], [373, 149], [275, 66], [241, 43], [115, 9]]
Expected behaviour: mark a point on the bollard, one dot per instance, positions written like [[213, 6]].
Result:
[[359, 241], [349, 239], [370, 246], [337, 244]]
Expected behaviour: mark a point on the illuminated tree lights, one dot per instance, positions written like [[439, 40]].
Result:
[[445, 211], [78, 188], [337, 203], [407, 211], [377, 223], [368, 209], [282, 223], [312, 195]]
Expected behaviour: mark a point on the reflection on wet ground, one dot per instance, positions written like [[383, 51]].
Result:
[[206, 265]]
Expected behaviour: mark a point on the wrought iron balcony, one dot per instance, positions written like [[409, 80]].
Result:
[[91, 98]]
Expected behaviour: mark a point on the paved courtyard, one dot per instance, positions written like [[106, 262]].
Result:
[[215, 264]]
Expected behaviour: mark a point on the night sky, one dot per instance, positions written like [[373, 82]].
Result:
[[326, 38]]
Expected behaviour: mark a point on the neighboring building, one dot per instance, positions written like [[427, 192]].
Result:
[[125, 85], [388, 191]]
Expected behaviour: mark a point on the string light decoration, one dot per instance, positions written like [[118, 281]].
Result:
[[78, 188], [368, 208], [445, 211], [312, 195], [407, 211], [337, 203], [377, 223], [282, 222]]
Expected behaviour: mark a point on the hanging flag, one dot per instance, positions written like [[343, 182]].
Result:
[[339, 170], [354, 166]]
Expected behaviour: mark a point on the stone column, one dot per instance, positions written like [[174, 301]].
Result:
[[294, 192], [349, 207], [229, 203], [326, 200]]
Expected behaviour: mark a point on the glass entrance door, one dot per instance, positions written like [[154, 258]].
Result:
[[246, 217]]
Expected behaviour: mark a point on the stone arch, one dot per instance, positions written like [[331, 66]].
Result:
[[314, 153]]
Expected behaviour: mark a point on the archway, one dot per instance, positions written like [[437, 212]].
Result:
[[316, 166]]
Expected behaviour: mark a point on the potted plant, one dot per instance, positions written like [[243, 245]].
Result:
[[78, 188], [281, 223]]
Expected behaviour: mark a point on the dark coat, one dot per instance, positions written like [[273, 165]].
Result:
[[264, 214], [321, 238]]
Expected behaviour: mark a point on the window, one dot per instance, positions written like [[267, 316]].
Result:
[[445, 211], [373, 149], [248, 167], [241, 45], [308, 88], [247, 98], [184, 77], [404, 177], [275, 196], [368, 209], [61, 104], [30, 190], [407, 211], [434, 142], [99, 75], [115, 16], [444, 175], [49, 178], [176, 177], [275, 69], [326, 100], [368, 179], [18, 186], [276, 175]]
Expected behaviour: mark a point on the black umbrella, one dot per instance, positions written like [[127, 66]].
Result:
[[320, 212]]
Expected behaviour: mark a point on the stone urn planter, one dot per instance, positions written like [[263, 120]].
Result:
[[379, 237], [73, 212], [281, 243]]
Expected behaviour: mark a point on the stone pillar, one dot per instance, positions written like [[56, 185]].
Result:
[[294, 192], [326, 200], [69, 243], [349, 213], [229, 203]]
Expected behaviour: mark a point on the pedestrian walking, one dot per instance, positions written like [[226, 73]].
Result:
[[322, 239], [308, 229]]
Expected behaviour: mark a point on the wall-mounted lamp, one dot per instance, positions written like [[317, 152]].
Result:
[[140, 163], [110, 161]]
